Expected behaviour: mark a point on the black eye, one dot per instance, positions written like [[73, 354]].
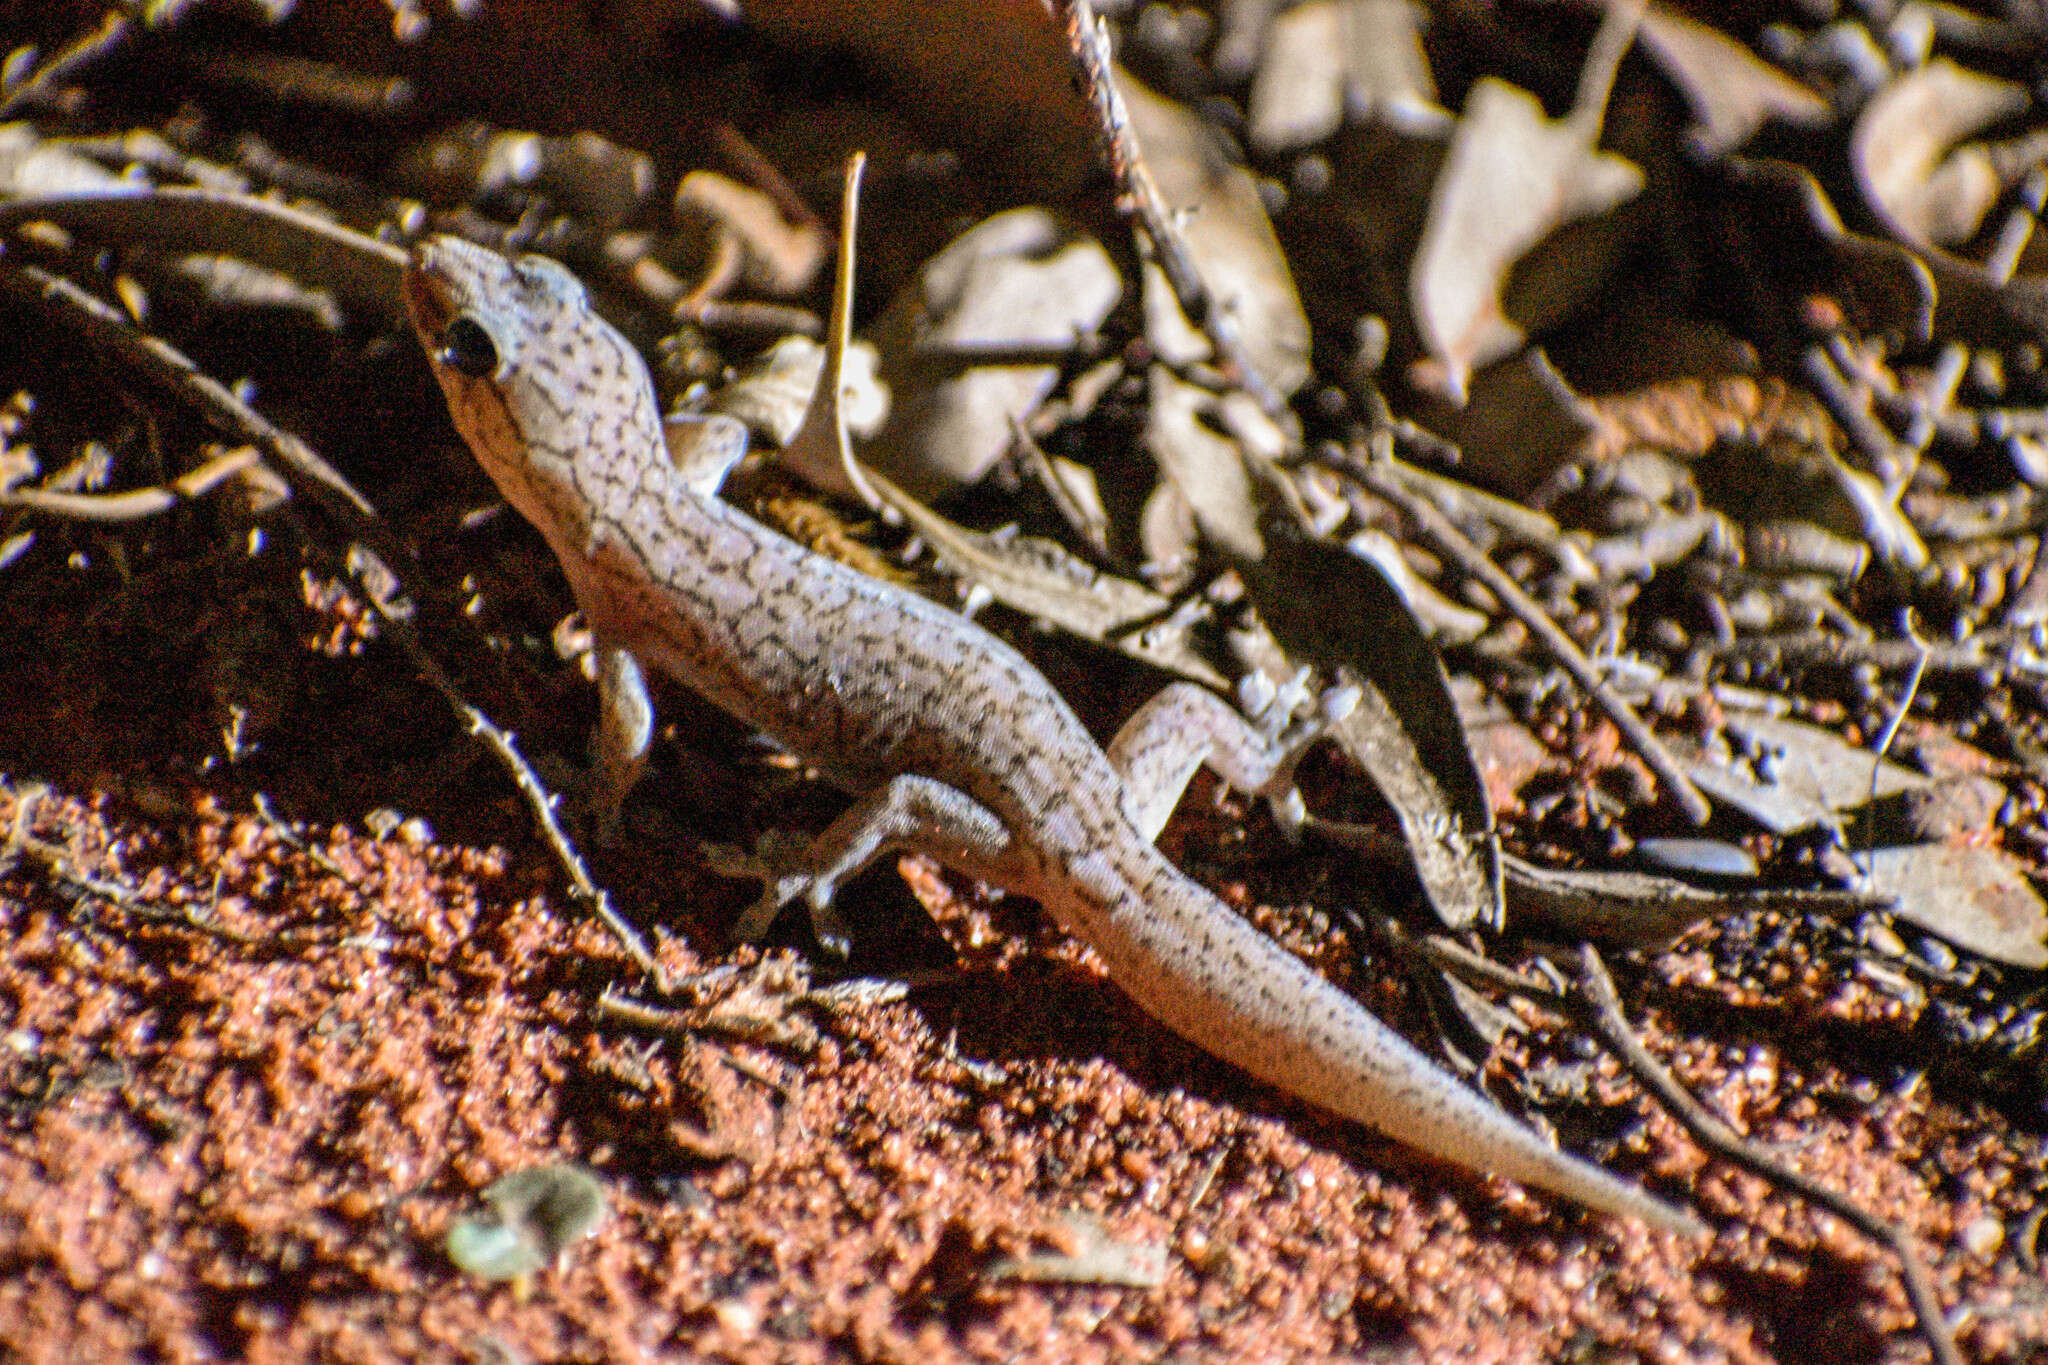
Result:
[[467, 348]]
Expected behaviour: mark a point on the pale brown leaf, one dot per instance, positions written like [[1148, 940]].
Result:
[[1901, 149], [1512, 176]]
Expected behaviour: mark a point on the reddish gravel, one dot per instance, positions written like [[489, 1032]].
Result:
[[238, 1114]]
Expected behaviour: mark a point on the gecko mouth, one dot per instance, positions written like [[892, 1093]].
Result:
[[426, 300]]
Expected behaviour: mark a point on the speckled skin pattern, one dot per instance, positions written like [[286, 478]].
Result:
[[960, 747]]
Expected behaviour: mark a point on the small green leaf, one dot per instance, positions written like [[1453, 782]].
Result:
[[535, 1215]]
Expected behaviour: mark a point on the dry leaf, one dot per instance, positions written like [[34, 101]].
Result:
[[1976, 898], [1800, 776], [1511, 177], [774, 393], [1900, 148], [1019, 284], [32, 166], [1204, 465], [585, 175], [1643, 910], [1338, 612], [1328, 58], [1731, 90], [1520, 420], [1223, 222]]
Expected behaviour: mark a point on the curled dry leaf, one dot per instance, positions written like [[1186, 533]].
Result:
[[1329, 58], [1511, 178], [1337, 611], [1976, 898], [1020, 285], [1926, 194], [1731, 90], [770, 254], [1443, 620], [1223, 221]]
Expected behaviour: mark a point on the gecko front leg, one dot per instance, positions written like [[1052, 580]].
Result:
[[702, 450], [625, 730]]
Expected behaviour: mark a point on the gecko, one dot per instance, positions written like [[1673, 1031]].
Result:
[[954, 746]]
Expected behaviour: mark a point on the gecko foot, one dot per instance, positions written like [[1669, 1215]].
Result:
[[1275, 713], [785, 865]]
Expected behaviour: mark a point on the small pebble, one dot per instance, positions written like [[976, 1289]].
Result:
[[1936, 954], [1878, 936], [1701, 857], [1982, 1237], [737, 1317]]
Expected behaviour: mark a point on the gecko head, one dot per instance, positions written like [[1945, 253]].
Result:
[[527, 365]]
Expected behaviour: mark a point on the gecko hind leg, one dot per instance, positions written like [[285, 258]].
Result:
[[1185, 727], [908, 812]]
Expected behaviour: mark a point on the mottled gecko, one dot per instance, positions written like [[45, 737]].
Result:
[[957, 747]]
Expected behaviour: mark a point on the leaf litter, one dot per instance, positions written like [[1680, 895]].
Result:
[[1730, 414]]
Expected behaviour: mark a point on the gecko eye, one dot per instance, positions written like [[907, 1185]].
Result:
[[467, 348]]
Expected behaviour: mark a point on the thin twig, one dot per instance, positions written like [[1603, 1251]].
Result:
[[726, 315], [382, 589], [541, 802], [1993, 652], [135, 504], [113, 31], [1454, 544], [1088, 42], [1604, 1011], [763, 174], [1851, 412], [1905, 706], [2030, 602], [1447, 954], [613, 1005], [164, 365], [361, 271], [1886, 737]]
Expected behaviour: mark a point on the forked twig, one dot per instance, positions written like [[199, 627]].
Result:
[[1088, 41], [1470, 559], [1597, 1004], [1602, 1008]]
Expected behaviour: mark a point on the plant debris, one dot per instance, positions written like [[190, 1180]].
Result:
[[1644, 411]]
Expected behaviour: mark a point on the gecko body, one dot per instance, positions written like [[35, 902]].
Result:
[[955, 745]]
